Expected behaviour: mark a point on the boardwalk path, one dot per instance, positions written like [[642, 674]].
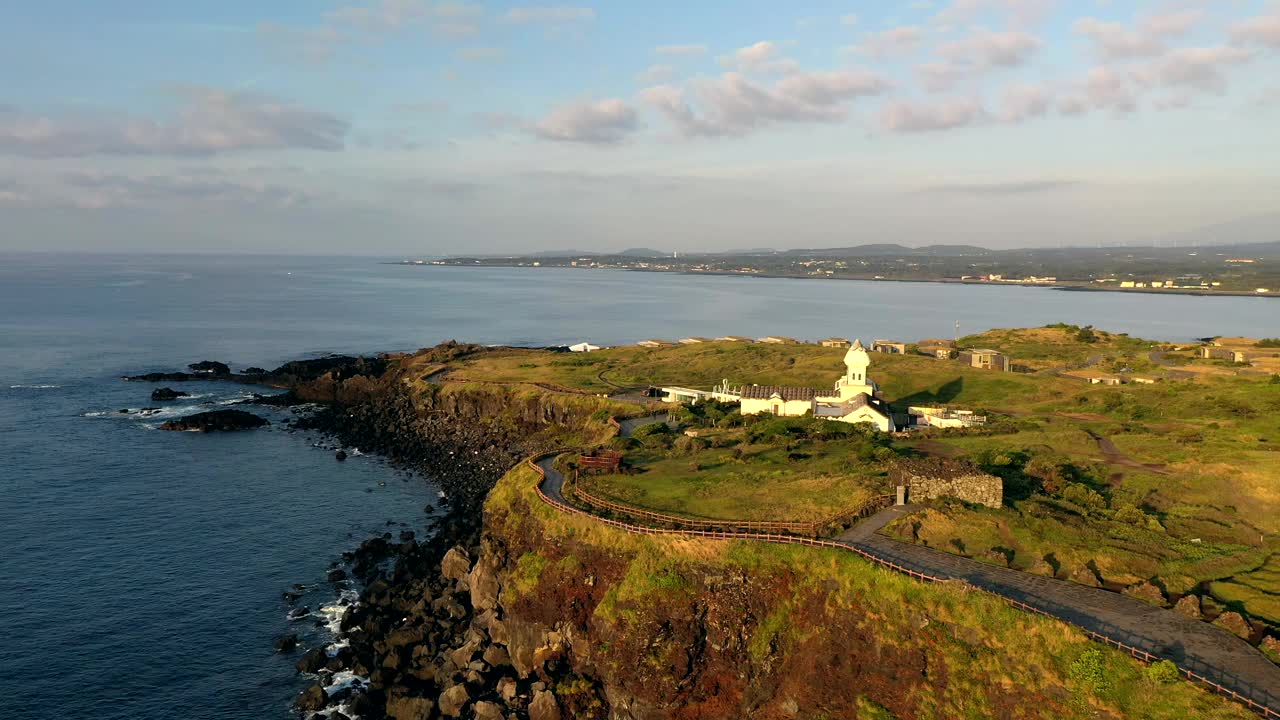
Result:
[[1196, 646]]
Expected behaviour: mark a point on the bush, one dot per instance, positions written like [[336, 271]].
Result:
[[1084, 497], [1088, 671], [1163, 672]]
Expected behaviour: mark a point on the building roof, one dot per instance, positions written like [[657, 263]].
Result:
[[982, 351], [853, 403], [764, 392]]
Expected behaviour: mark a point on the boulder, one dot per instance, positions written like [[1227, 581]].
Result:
[[1146, 592], [163, 394], [340, 455], [484, 584], [210, 367], [1234, 623], [405, 707], [216, 420], [456, 564], [508, 689], [453, 700], [1270, 647], [544, 707], [1189, 605], [486, 710], [496, 657], [336, 575], [285, 643], [312, 699], [1085, 576], [313, 661]]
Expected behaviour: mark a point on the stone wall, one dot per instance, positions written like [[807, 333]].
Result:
[[934, 478]]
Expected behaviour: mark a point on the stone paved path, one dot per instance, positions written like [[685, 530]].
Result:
[[1194, 645]]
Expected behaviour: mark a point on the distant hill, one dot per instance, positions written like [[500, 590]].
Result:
[[643, 252], [881, 249]]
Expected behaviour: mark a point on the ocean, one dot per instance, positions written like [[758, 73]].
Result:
[[142, 571]]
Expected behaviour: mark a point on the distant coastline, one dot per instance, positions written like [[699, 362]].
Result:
[[1077, 286]]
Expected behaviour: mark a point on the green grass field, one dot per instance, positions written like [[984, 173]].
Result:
[[1186, 490], [745, 482]]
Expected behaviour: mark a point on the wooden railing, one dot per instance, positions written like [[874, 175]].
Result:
[[1138, 653]]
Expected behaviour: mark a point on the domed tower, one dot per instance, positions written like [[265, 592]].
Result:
[[855, 380]]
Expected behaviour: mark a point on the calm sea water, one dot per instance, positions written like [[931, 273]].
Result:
[[141, 571]]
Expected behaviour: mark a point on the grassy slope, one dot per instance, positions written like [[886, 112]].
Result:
[[761, 485], [979, 646], [1215, 437]]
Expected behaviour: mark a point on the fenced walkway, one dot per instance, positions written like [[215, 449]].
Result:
[[1204, 654]]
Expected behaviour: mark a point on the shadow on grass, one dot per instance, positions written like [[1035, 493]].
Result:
[[947, 392]]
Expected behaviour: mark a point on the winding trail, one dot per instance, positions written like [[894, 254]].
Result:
[[1203, 652]]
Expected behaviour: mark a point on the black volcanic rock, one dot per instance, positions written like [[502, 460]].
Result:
[[210, 367], [162, 394], [163, 377], [217, 420]]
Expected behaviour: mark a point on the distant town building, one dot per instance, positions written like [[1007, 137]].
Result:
[[834, 342], [583, 347], [693, 340], [1220, 353], [942, 417], [779, 340], [733, 338], [985, 359], [654, 343], [891, 347]]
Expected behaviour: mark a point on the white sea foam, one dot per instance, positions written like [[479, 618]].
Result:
[[33, 387], [332, 613]]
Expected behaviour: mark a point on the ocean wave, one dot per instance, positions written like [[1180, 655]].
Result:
[[33, 387], [332, 613]]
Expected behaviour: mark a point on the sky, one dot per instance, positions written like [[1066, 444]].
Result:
[[417, 128]]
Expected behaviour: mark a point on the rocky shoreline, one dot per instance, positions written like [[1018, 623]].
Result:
[[424, 632], [424, 638]]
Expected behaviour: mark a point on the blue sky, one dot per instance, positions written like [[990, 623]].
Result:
[[410, 127]]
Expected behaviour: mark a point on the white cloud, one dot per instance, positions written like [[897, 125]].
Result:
[[603, 122], [985, 48], [212, 121], [655, 75], [1261, 30], [762, 57], [734, 104], [96, 191], [681, 49], [549, 15], [894, 42], [1103, 88], [1114, 41], [1023, 102], [913, 116], [938, 76], [1198, 68]]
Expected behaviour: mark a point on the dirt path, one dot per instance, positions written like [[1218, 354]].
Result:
[[1194, 645], [1114, 456]]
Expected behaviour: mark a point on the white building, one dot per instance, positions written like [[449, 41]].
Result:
[[854, 399]]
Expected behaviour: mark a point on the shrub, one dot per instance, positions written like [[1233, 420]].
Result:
[[1084, 497], [1088, 671], [1163, 672]]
